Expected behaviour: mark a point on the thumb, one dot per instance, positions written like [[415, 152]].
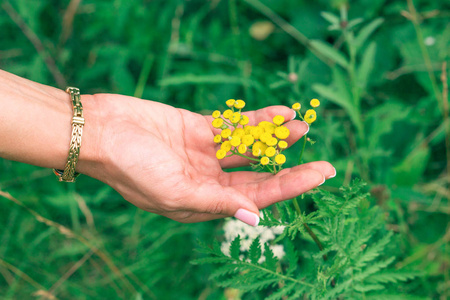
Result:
[[226, 201]]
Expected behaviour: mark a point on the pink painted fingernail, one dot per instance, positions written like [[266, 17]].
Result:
[[308, 127], [322, 181], [295, 115], [247, 217], [334, 175]]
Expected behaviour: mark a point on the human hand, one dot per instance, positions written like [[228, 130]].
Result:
[[162, 159]]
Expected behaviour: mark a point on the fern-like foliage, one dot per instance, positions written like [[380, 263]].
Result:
[[354, 262]]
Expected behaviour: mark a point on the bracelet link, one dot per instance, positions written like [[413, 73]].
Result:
[[69, 174]]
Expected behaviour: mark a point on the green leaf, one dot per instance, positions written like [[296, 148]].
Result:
[[331, 53], [210, 260], [271, 260], [340, 94], [411, 168], [255, 251], [354, 22], [292, 257], [210, 79], [393, 276], [283, 292], [235, 248], [373, 251], [366, 31], [366, 66], [333, 19]]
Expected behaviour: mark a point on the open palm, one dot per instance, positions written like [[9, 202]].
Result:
[[162, 159]]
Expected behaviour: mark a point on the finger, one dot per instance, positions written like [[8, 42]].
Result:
[[324, 167], [282, 186], [248, 177], [193, 217], [297, 130], [219, 201]]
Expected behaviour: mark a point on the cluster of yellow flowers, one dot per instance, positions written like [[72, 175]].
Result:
[[264, 141], [310, 114]]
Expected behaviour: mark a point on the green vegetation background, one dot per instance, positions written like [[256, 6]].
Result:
[[84, 241]]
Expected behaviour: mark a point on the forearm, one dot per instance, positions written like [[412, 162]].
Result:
[[35, 124]]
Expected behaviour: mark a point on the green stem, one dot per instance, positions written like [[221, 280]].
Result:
[[244, 156], [143, 77], [303, 150], [309, 230], [287, 27], [425, 55]]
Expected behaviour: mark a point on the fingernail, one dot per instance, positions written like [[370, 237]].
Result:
[[308, 127], [322, 181], [334, 175], [247, 217], [295, 115]]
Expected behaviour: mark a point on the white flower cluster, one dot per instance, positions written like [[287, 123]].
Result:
[[247, 233]]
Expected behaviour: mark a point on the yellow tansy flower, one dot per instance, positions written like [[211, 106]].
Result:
[[244, 120], [226, 133], [226, 146], [216, 114], [278, 120], [296, 106], [235, 141], [235, 117], [271, 141], [257, 131], [267, 126], [227, 114], [248, 140], [280, 159], [259, 146], [230, 102], [265, 137], [256, 152], [238, 132], [242, 148], [217, 123], [315, 102], [265, 160], [239, 104], [310, 116], [221, 153], [282, 144], [270, 151], [282, 132], [248, 129], [218, 139]]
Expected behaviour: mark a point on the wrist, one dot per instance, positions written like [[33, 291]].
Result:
[[91, 159]]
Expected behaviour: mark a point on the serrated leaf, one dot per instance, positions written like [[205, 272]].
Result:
[[271, 261], [283, 291], [364, 288], [373, 268], [393, 276], [373, 251], [210, 260], [224, 270], [292, 257], [329, 52], [235, 248], [255, 251]]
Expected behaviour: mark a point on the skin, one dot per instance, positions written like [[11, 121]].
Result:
[[159, 158]]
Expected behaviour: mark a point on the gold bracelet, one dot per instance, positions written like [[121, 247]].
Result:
[[69, 174]]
